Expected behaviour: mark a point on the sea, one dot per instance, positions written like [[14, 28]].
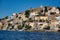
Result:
[[25, 35]]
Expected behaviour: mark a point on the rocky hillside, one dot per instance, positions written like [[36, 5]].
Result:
[[42, 18]]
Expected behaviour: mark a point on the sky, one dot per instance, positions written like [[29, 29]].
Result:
[[8, 7]]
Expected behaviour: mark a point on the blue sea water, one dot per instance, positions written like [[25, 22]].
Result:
[[21, 35]]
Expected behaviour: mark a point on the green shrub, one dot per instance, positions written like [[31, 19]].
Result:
[[19, 27]]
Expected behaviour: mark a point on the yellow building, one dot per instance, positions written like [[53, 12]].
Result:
[[36, 17], [44, 17]]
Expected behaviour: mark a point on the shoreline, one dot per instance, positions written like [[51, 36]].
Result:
[[32, 30]]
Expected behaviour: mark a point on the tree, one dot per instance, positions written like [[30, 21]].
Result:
[[47, 28], [40, 14], [58, 26], [19, 27], [16, 15], [6, 17], [19, 17], [0, 19], [12, 27], [19, 13], [27, 13], [46, 9], [58, 8], [30, 20], [52, 13], [27, 27], [40, 20]]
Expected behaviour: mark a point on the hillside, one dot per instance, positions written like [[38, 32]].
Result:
[[42, 18]]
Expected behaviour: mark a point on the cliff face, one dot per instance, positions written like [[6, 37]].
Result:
[[43, 18]]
